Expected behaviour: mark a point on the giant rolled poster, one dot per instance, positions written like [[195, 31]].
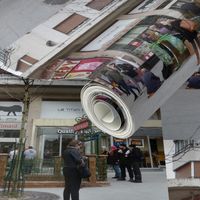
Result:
[[125, 91], [150, 57]]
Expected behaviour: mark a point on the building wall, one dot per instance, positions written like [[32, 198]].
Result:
[[180, 119], [184, 157]]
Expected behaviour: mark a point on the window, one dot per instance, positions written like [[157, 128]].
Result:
[[70, 23], [183, 145], [98, 5], [25, 62], [9, 133]]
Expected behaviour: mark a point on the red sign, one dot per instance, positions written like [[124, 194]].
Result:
[[81, 125]]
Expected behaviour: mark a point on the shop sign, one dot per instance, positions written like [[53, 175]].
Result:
[[10, 112], [138, 142], [81, 125], [65, 131], [11, 126], [118, 141], [61, 110]]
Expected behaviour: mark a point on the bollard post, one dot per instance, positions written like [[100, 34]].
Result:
[[3, 164], [92, 167], [57, 166], [102, 167]]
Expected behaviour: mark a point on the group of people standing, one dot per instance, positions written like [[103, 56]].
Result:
[[28, 157], [122, 158]]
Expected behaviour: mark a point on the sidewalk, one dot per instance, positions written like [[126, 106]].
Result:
[[154, 186]]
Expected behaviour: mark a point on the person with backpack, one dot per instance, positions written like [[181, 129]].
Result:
[[136, 158]]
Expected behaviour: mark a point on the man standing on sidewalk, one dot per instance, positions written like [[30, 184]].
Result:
[[29, 156], [113, 160], [136, 158], [125, 162]]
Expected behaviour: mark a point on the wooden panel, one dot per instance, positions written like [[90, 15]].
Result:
[[25, 62], [184, 171], [197, 169], [70, 23], [98, 5]]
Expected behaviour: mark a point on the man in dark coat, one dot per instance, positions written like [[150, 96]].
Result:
[[136, 158], [72, 160], [125, 162]]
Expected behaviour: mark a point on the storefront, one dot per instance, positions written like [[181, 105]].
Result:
[[50, 140], [56, 124], [150, 141]]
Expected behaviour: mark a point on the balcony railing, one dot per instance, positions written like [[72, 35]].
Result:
[[5, 57]]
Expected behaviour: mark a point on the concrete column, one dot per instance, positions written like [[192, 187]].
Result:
[[3, 164]]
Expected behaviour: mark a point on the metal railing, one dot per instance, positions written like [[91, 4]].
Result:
[[5, 57], [39, 167], [51, 169]]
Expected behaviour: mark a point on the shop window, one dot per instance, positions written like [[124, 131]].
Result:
[[25, 62], [9, 133], [70, 23], [99, 5]]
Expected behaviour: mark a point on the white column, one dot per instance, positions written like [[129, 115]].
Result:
[[192, 169], [150, 154], [60, 145], [111, 140]]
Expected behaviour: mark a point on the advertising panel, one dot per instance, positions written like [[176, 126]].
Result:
[[135, 71], [10, 115]]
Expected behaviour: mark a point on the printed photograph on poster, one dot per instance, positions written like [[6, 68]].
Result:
[[194, 81], [72, 68], [64, 68], [85, 67], [190, 9], [120, 76], [58, 69]]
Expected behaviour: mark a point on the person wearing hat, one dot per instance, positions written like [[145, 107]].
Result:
[[113, 160]]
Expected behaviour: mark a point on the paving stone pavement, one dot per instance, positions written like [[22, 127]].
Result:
[[154, 186], [33, 195]]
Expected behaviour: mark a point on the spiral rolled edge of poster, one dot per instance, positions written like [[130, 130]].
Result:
[[107, 111]]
